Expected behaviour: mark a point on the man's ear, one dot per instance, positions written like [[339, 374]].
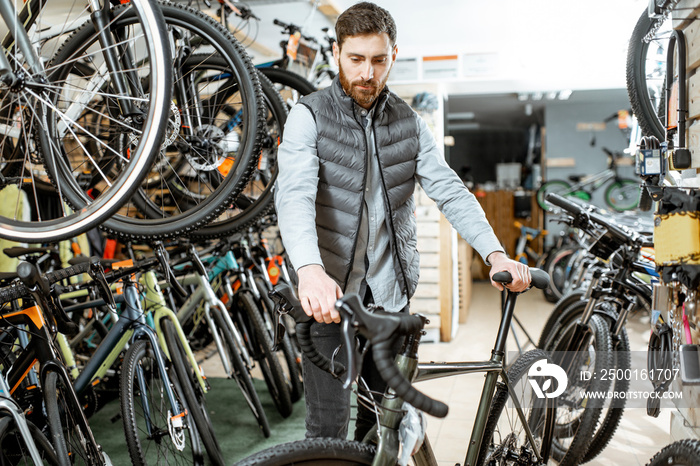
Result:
[[336, 53], [394, 53]]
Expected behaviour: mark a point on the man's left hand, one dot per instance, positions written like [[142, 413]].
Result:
[[520, 272]]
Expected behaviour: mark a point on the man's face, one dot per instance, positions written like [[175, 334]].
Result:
[[364, 63]]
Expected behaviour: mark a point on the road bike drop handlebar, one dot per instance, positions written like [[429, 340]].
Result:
[[583, 218], [380, 328]]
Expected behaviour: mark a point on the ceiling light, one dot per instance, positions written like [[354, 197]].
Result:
[[460, 116]]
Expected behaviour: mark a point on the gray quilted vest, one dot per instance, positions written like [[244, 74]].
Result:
[[343, 157]]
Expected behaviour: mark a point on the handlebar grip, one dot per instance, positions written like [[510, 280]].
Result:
[[277, 22], [62, 274], [540, 278], [383, 359], [565, 204], [13, 292]]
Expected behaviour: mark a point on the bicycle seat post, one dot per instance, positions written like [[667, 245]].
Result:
[[506, 317]]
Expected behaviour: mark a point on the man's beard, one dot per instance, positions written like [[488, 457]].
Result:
[[362, 96]]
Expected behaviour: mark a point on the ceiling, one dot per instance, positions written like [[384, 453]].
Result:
[[536, 46]]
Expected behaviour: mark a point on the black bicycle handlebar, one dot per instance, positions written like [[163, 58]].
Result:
[[381, 328], [583, 217]]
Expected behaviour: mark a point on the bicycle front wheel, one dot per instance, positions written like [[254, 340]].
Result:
[[317, 451], [13, 445], [623, 195], [261, 349], [153, 435], [47, 135], [578, 412], [69, 433], [505, 440], [239, 372], [192, 391]]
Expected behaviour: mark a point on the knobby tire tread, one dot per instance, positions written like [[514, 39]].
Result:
[[316, 451]]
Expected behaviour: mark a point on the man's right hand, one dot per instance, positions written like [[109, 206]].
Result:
[[318, 293]]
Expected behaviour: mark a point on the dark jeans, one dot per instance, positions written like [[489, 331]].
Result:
[[327, 403]]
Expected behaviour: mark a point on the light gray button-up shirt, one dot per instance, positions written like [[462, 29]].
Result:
[[295, 199]]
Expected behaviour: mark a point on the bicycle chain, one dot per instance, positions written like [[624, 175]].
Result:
[[676, 338], [659, 21]]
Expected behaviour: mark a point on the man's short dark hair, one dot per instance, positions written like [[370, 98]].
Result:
[[364, 18]]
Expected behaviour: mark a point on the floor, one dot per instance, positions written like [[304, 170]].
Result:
[[637, 439]]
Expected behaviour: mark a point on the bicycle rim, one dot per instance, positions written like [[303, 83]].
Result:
[[45, 136]]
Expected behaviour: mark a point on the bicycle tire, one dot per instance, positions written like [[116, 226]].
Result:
[[183, 446], [573, 435], [12, 445], [222, 170], [67, 436], [681, 453], [289, 84], [514, 444], [606, 428], [257, 200], [557, 268], [261, 350], [192, 392], [292, 376], [36, 122], [623, 195], [241, 375], [561, 306], [314, 451], [612, 415], [552, 186], [649, 115]]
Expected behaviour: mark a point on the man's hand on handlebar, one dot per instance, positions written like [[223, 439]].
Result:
[[520, 272], [318, 293]]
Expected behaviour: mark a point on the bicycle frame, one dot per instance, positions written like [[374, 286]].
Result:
[[40, 349], [131, 326]]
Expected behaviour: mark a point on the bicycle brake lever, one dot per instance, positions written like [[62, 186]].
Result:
[[97, 273], [64, 324], [279, 328], [163, 257], [348, 342]]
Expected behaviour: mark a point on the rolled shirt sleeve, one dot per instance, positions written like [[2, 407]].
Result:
[[454, 200], [296, 187]]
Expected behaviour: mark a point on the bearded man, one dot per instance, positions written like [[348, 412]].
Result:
[[348, 165]]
